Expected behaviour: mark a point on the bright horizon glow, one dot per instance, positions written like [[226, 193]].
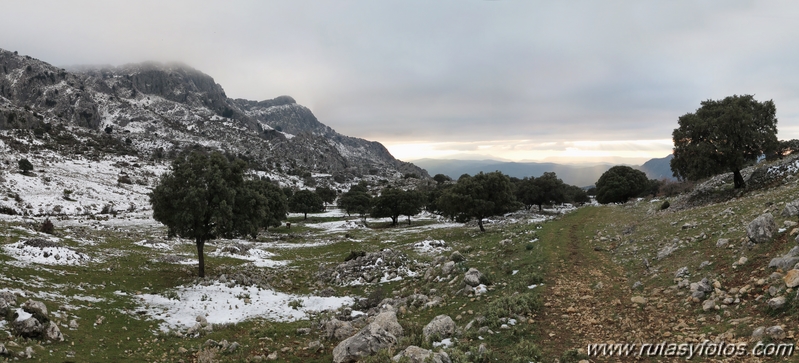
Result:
[[567, 152]]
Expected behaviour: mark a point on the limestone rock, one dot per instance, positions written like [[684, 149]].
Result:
[[473, 277], [440, 327], [777, 302], [708, 305], [338, 330], [640, 300], [415, 354], [722, 242], [762, 228], [366, 342], [28, 328], [448, 267], [37, 309], [388, 321], [791, 278], [51, 332], [775, 332], [791, 209]]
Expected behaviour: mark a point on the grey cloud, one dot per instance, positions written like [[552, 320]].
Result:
[[450, 70]]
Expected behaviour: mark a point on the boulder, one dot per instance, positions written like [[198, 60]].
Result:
[[37, 309], [371, 339], [448, 267], [791, 278], [722, 242], [777, 302], [708, 305], [52, 333], [338, 330], [775, 332], [28, 328], [440, 327], [762, 228], [791, 209], [784, 263], [388, 321], [473, 277], [415, 354], [681, 272]]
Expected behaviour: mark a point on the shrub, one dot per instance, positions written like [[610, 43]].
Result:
[[665, 205], [124, 179], [672, 188], [25, 166], [47, 227]]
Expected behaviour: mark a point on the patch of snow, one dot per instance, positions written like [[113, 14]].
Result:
[[431, 246], [23, 315], [45, 255], [446, 343], [533, 286], [222, 304], [480, 289]]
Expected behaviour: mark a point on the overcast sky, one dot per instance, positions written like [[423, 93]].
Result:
[[512, 79]]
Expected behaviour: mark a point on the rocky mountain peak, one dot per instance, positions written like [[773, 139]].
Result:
[[158, 109]]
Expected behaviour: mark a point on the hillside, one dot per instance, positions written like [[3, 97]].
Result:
[[155, 110], [533, 287]]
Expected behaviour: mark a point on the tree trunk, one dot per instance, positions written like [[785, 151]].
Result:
[[409, 220], [738, 179], [540, 208], [200, 243], [480, 224], [394, 221], [306, 215]]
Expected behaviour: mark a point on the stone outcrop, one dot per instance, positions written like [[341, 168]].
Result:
[[762, 228]]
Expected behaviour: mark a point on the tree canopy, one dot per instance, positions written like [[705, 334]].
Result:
[[546, 189], [394, 202], [479, 197], [356, 201], [205, 196], [306, 201], [724, 135], [619, 184], [327, 195], [25, 165]]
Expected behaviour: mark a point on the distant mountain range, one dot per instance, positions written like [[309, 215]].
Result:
[[580, 175]]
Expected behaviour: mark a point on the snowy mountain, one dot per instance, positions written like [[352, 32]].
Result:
[[153, 110]]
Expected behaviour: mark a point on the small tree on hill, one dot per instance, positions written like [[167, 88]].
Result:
[[724, 135], [479, 197], [357, 201], [25, 166], [204, 196], [306, 201], [394, 202], [327, 195], [619, 184]]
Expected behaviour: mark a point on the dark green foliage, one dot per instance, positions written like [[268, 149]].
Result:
[[327, 195], [546, 189], [441, 178], [306, 201], [509, 306], [276, 202], [619, 184], [356, 200], [479, 197], [205, 196], [725, 135], [576, 195], [394, 202], [47, 227], [25, 166]]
